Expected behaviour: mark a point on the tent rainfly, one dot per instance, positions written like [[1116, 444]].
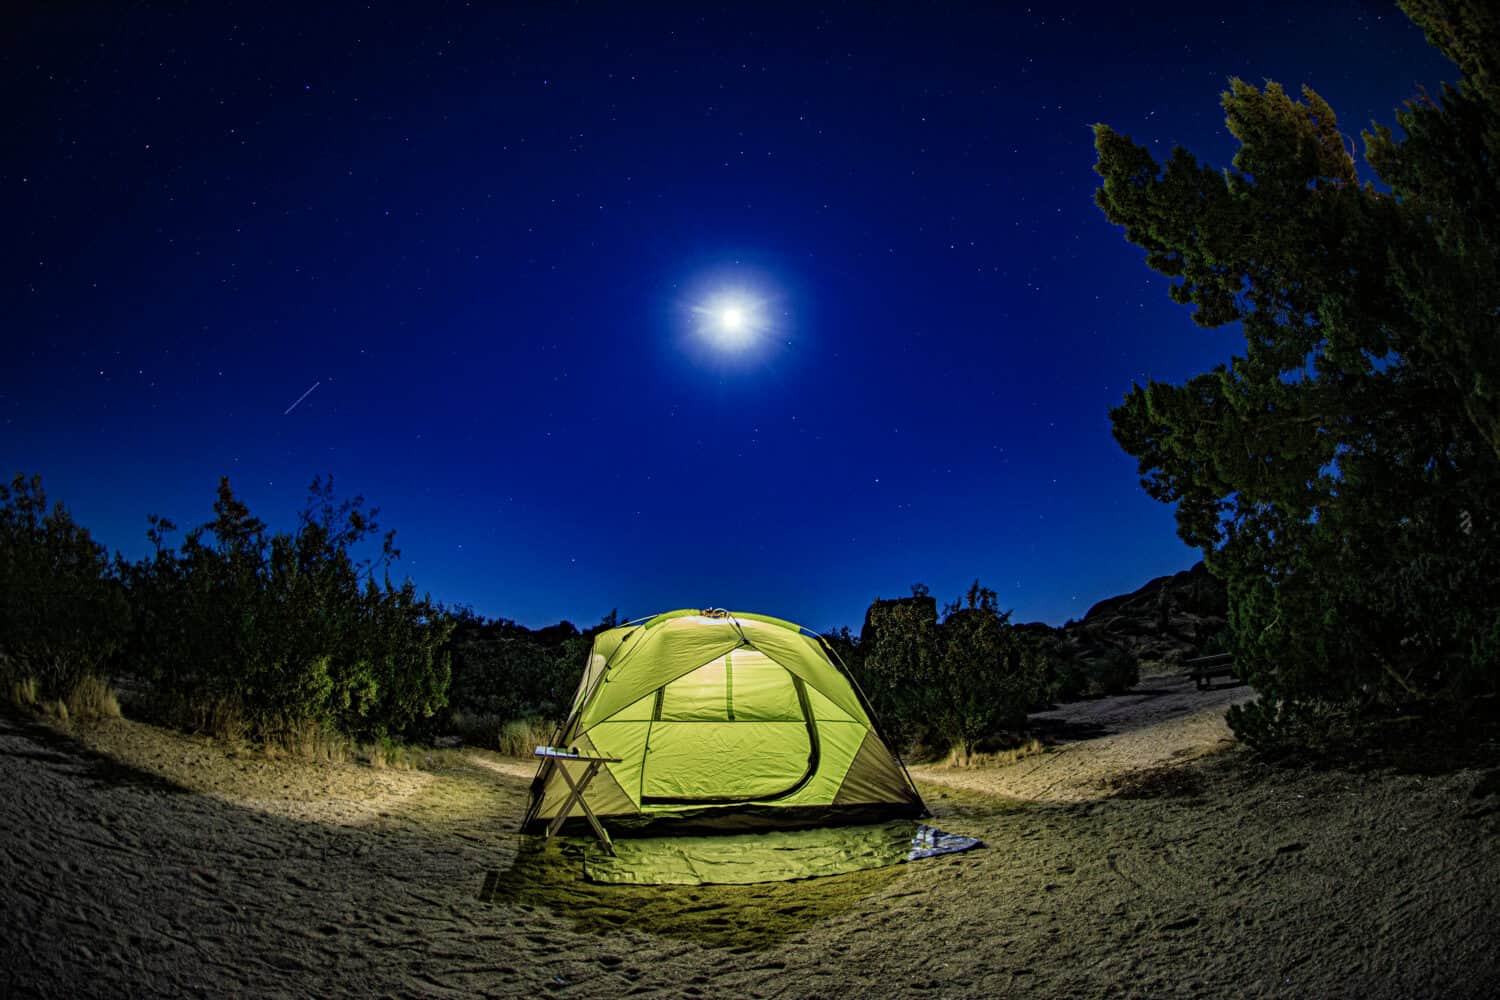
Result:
[[727, 722]]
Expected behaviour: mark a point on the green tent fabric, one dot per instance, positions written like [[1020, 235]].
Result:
[[747, 858], [723, 721]]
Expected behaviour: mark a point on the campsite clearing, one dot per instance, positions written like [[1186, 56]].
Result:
[[139, 861]]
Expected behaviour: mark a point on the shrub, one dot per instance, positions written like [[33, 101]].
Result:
[[898, 649], [504, 670], [1068, 678], [62, 610], [278, 636], [476, 729], [986, 677], [1113, 672]]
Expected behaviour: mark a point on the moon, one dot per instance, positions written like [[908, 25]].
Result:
[[733, 321], [730, 322]]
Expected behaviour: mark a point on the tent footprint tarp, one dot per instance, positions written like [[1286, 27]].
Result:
[[742, 859], [722, 721]]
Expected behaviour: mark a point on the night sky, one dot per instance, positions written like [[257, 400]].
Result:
[[501, 246]]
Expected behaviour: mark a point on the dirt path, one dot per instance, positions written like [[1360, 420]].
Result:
[[1097, 744], [154, 864]]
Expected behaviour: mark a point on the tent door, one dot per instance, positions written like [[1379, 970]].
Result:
[[738, 729]]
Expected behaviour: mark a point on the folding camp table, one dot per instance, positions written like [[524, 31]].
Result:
[[576, 788]]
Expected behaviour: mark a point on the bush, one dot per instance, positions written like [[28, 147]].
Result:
[[62, 611], [1068, 678], [476, 729], [1113, 672], [1070, 673], [502, 669], [281, 635], [898, 649], [987, 677]]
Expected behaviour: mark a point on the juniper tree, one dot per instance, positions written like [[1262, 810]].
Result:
[[1342, 473]]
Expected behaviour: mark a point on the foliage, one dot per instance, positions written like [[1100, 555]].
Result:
[[62, 612], [898, 655], [846, 648], [505, 671], [1076, 664], [945, 683], [286, 629], [1067, 673], [1113, 671], [1343, 475], [986, 676], [294, 638]]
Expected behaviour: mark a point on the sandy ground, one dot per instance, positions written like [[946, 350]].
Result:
[[1095, 746], [140, 862]]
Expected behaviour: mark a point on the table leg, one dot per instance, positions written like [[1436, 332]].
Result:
[[575, 796], [588, 813]]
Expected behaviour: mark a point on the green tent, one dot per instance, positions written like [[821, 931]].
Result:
[[725, 722]]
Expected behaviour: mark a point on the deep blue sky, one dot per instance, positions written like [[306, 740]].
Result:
[[483, 234]]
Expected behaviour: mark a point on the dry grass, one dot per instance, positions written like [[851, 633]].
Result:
[[23, 694], [1171, 667], [221, 717], [998, 758], [514, 737], [519, 737], [387, 753], [92, 700], [309, 740]]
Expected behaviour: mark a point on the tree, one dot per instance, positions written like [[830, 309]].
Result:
[[277, 630], [845, 649], [62, 611], [986, 675], [898, 650], [1342, 475]]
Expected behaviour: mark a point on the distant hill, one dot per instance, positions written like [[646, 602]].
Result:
[[1167, 620]]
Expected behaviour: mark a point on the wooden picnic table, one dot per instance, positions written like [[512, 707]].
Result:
[[561, 757], [1206, 668]]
